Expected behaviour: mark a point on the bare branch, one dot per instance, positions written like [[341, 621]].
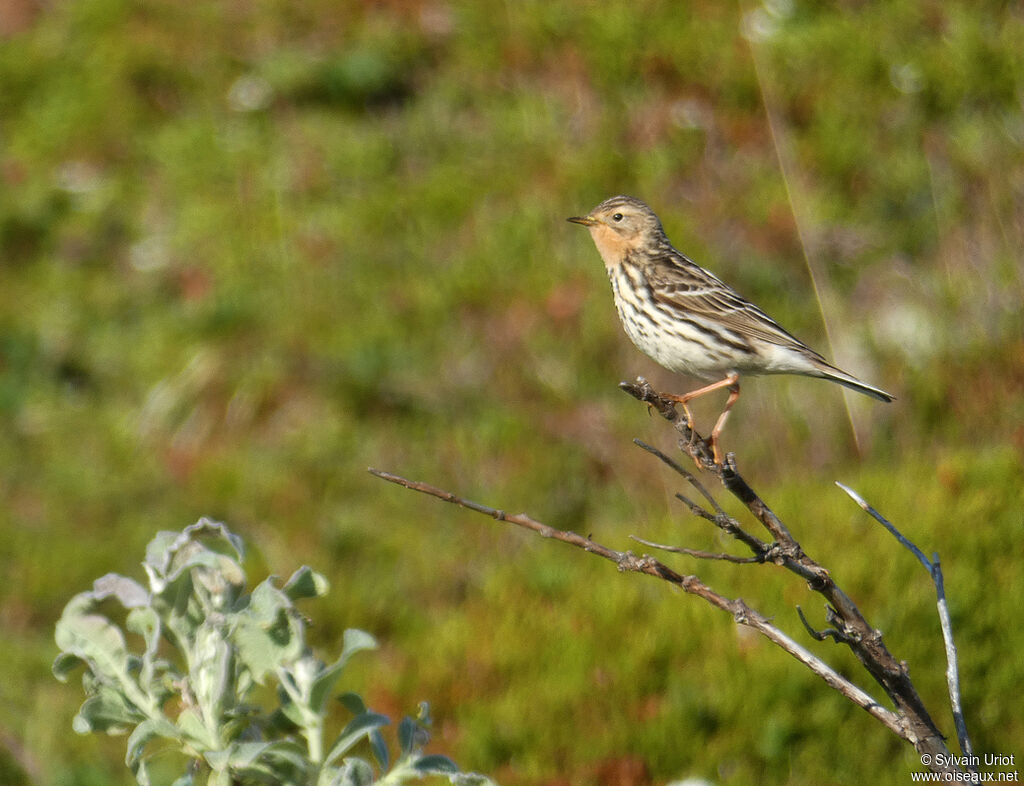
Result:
[[690, 477], [696, 509], [627, 561], [905, 542], [519, 519], [952, 660], [910, 719], [827, 633], [698, 450], [722, 520], [698, 553], [865, 642]]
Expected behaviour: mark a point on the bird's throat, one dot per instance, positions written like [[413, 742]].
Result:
[[612, 246]]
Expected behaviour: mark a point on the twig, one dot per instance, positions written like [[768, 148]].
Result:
[[851, 626], [952, 660], [722, 520], [696, 509], [907, 544], [681, 470], [627, 561], [697, 552], [910, 719], [820, 635], [519, 519], [696, 446]]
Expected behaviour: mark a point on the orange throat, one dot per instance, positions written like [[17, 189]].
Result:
[[612, 247]]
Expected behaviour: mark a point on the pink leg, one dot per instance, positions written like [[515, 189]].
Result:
[[734, 394], [733, 383]]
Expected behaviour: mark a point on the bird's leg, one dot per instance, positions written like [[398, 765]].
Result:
[[734, 394], [732, 381], [682, 401]]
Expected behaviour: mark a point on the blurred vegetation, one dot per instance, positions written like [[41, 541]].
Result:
[[248, 249]]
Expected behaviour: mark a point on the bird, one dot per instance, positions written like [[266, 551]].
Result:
[[689, 321]]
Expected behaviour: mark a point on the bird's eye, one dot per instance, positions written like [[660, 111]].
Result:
[[617, 217]]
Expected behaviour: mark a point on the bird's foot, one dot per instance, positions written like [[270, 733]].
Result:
[[716, 450]]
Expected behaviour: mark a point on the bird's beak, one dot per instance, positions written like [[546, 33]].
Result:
[[587, 221]]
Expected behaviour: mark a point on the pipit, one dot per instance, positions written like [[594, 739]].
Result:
[[687, 320]]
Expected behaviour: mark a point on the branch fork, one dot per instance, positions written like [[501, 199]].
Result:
[[909, 719]]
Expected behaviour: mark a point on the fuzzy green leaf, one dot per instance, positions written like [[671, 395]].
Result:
[[380, 749], [407, 735], [127, 591], [149, 729], [435, 765], [292, 711], [92, 637], [306, 583], [469, 779], [352, 702], [355, 641], [288, 762], [355, 772], [64, 664], [169, 554], [107, 711], [236, 755], [267, 633], [145, 622], [212, 675], [359, 727], [191, 725]]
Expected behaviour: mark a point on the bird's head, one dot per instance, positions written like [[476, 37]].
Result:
[[620, 226]]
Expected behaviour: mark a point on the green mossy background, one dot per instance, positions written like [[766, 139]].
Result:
[[249, 249]]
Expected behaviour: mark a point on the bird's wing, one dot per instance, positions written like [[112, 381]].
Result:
[[681, 283]]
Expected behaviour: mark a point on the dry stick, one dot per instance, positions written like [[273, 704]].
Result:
[[698, 449], [627, 561], [697, 552], [952, 662], [911, 720], [851, 626], [721, 519]]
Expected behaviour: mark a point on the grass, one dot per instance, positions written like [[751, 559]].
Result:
[[247, 251]]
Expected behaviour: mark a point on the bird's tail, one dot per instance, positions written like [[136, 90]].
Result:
[[828, 371]]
